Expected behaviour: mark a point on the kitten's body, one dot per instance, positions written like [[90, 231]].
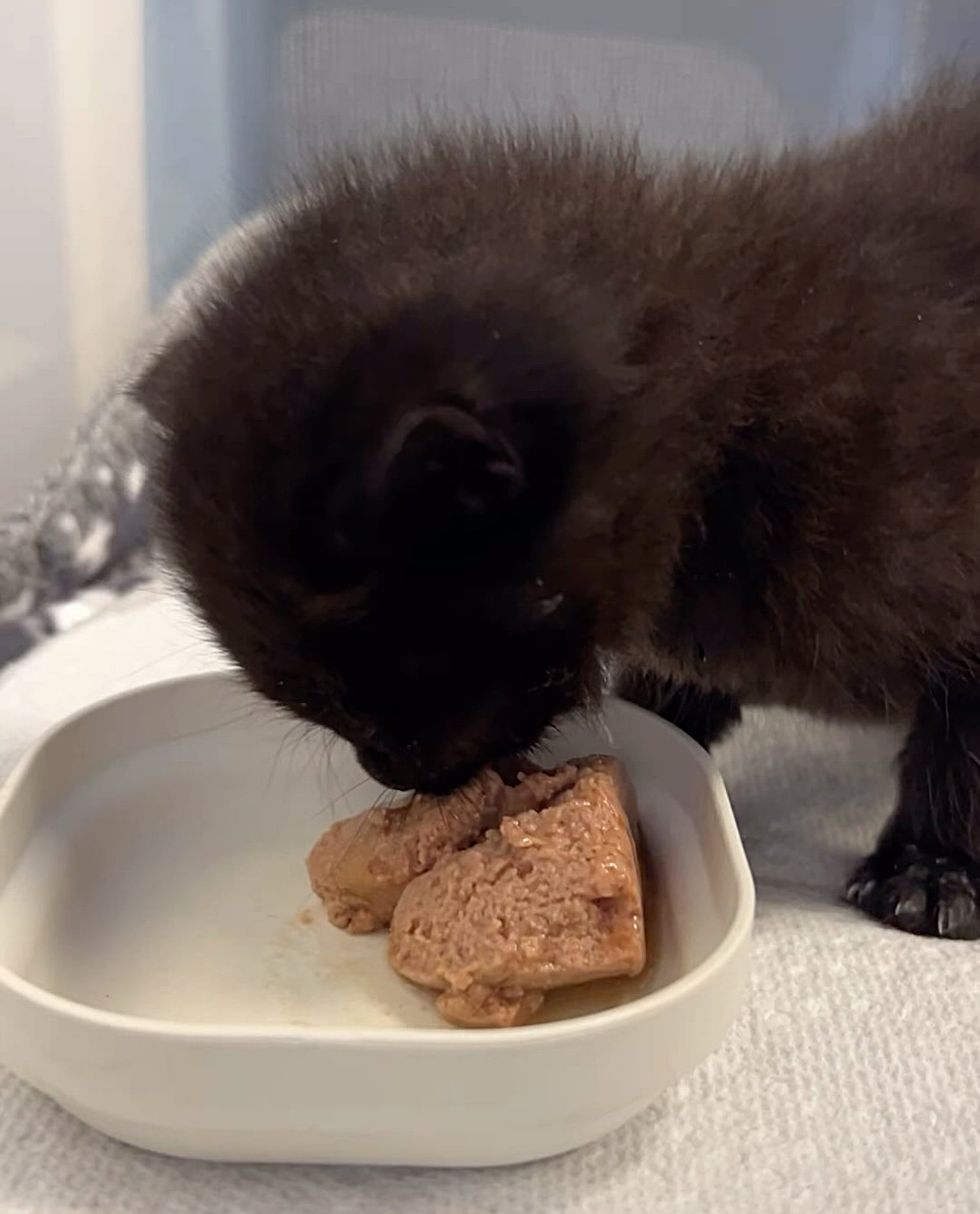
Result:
[[759, 386]]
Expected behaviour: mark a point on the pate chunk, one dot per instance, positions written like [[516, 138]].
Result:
[[360, 867], [551, 897]]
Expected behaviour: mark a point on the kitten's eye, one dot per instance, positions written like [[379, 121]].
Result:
[[524, 609], [347, 523], [331, 543], [550, 605], [543, 603], [409, 666], [341, 534]]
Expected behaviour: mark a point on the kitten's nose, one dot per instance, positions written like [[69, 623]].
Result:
[[403, 771], [387, 770]]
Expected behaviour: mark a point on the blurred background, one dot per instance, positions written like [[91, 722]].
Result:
[[132, 133]]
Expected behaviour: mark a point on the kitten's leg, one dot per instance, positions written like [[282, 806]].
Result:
[[705, 716], [924, 875]]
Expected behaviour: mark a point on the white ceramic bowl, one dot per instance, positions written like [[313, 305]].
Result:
[[165, 976]]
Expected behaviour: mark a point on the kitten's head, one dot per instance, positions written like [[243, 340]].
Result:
[[366, 501]]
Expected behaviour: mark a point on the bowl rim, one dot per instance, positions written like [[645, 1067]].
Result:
[[592, 1024]]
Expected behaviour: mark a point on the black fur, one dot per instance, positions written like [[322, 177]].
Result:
[[488, 409]]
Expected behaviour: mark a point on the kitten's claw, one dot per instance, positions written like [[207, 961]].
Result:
[[927, 893]]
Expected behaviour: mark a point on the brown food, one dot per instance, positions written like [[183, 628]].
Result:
[[551, 898], [360, 866]]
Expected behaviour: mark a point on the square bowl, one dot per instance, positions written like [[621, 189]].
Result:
[[166, 976]]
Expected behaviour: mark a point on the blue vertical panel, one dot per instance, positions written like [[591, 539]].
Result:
[[208, 83]]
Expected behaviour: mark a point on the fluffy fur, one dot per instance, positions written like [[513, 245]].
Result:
[[486, 409]]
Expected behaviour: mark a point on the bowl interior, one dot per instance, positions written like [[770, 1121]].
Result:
[[152, 864]]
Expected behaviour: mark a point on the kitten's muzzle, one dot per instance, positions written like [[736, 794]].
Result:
[[404, 772]]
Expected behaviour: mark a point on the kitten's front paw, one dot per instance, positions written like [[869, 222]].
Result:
[[928, 893]]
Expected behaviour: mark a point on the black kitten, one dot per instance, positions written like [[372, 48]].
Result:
[[480, 414]]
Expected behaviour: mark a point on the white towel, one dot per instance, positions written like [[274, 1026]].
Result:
[[851, 1081]]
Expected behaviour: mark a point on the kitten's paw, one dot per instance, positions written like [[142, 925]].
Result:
[[927, 893]]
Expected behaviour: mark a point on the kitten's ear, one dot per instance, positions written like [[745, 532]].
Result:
[[444, 456]]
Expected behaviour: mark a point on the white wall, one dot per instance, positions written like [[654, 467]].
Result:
[[72, 239]]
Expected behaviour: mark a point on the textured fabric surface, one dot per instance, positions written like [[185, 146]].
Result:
[[83, 534], [851, 1081]]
